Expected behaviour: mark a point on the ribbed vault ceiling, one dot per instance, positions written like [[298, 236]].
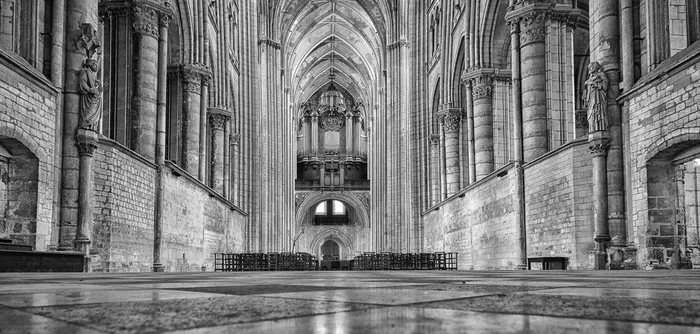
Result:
[[333, 40]]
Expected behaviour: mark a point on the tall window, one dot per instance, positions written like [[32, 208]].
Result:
[[25, 29], [693, 10]]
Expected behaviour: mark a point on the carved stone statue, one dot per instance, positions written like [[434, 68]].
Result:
[[89, 86], [596, 98], [90, 96]]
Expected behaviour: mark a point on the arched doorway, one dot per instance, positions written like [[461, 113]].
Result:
[[330, 250]]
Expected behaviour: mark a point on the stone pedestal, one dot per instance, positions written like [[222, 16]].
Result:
[[599, 144], [87, 143]]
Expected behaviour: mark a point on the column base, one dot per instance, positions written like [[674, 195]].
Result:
[[158, 268], [521, 267], [623, 258], [694, 254], [83, 246]]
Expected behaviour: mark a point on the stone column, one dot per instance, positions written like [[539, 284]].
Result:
[[204, 103], [470, 133], [160, 140], [435, 168], [483, 125], [307, 137], [680, 235], [234, 142], [191, 90], [78, 15], [605, 30], [451, 122], [227, 159], [534, 85], [217, 120], [314, 136], [599, 144], [520, 219], [356, 136], [144, 107], [348, 136], [87, 143]]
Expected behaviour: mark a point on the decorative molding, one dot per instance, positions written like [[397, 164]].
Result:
[[532, 28], [269, 42], [235, 139], [165, 20], [599, 148], [145, 20], [451, 120], [482, 92], [86, 148], [582, 119], [218, 120], [398, 44]]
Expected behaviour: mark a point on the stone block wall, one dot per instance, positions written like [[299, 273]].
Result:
[[196, 224], [123, 207], [664, 118], [480, 226], [27, 129], [559, 205]]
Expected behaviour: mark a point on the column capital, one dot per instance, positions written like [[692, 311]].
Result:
[[434, 139], [86, 140], [599, 143], [451, 119], [145, 20], [218, 118], [235, 139]]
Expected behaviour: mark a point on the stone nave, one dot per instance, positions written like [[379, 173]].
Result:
[[148, 135]]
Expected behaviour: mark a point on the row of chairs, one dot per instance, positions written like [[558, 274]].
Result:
[[264, 261], [406, 261], [305, 261]]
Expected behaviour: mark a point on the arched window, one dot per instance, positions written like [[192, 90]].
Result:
[[331, 212]]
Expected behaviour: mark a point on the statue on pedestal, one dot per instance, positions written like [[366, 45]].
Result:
[[90, 96], [89, 86], [596, 98]]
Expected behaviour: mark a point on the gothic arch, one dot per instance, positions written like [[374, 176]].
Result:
[[349, 199], [21, 136], [339, 237], [672, 139]]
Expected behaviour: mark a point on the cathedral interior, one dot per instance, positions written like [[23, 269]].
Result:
[[151, 135]]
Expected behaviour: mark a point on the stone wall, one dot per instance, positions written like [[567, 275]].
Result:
[[124, 198], [197, 224], [559, 205], [480, 226], [27, 128], [664, 118]]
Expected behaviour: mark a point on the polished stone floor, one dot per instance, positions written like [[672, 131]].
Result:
[[353, 302]]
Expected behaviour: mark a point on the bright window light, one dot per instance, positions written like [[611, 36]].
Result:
[[321, 209], [338, 208]]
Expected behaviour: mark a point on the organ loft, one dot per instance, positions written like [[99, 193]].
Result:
[[159, 135]]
